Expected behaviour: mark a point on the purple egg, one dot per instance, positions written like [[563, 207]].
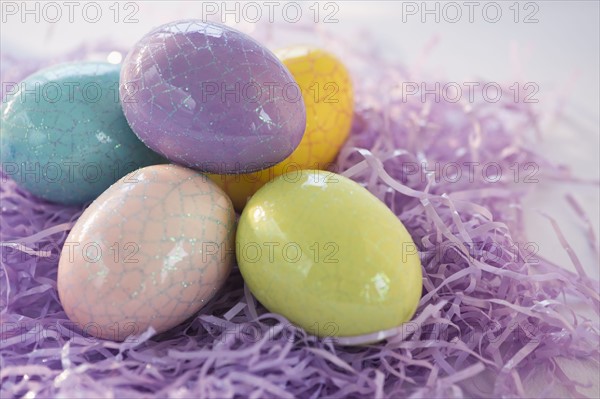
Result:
[[209, 97]]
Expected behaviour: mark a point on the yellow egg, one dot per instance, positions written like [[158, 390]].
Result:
[[328, 98], [325, 253]]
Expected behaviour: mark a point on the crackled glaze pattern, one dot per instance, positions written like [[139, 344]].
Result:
[[328, 97], [64, 136], [328, 255], [150, 251], [209, 97]]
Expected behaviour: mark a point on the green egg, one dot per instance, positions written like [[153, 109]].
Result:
[[325, 253]]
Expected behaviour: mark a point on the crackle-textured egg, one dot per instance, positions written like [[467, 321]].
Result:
[[328, 98], [150, 251], [64, 136], [207, 96], [325, 253]]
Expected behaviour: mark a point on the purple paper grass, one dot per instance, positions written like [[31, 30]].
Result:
[[492, 313]]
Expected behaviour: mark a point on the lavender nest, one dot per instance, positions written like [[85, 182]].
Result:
[[492, 314]]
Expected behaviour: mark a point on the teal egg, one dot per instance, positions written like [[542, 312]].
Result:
[[64, 137]]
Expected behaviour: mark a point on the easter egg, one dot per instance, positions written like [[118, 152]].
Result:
[[149, 252], [64, 135], [328, 98], [325, 253], [209, 97]]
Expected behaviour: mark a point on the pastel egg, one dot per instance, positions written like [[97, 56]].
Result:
[[325, 253], [207, 96], [64, 135], [328, 97], [149, 252]]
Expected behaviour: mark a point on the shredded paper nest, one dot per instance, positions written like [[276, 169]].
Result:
[[493, 314]]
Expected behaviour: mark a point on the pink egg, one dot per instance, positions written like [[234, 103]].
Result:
[[150, 251]]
